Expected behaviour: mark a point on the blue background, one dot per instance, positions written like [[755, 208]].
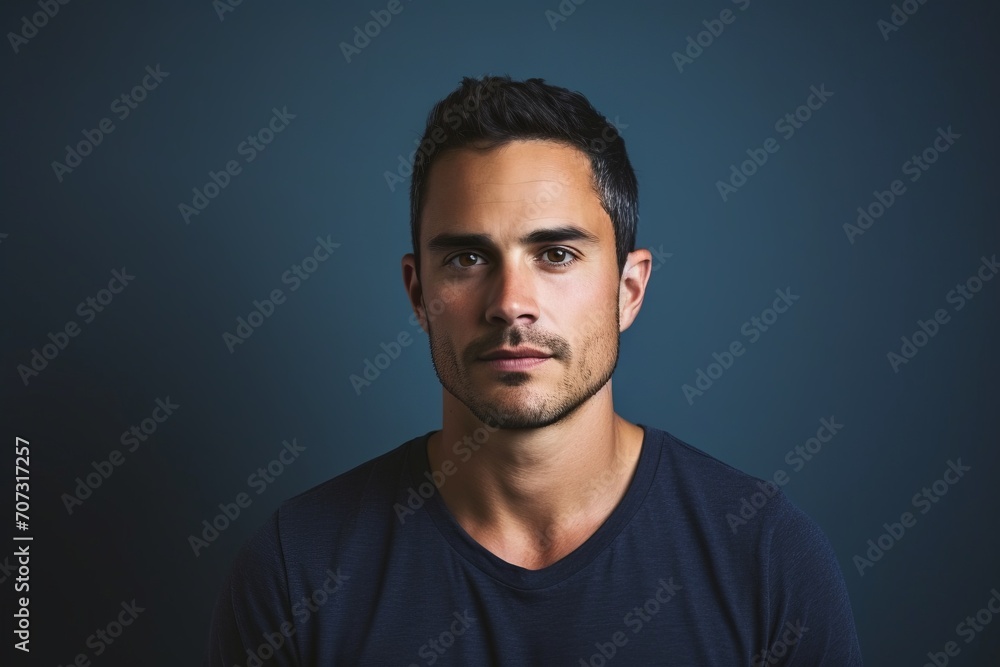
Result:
[[324, 175]]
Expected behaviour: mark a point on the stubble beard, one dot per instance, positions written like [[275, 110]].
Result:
[[587, 369]]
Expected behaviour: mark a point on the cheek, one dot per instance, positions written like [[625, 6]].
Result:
[[451, 328], [596, 314], [447, 303]]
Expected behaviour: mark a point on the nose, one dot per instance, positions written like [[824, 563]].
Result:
[[512, 296]]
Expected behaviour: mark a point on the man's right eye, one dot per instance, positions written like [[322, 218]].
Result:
[[464, 255]]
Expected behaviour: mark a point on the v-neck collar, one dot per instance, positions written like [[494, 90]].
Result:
[[514, 575]]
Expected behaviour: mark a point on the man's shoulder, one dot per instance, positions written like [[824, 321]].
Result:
[[718, 490], [751, 528], [684, 463], [307, 527]]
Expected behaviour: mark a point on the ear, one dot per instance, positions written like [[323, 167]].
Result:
[[632, 287], [411, 281]]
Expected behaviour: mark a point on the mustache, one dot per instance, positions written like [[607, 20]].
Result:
[[516, 337]]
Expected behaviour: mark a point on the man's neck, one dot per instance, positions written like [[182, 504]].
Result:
[[531, 496]]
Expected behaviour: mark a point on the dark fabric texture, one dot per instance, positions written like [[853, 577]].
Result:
[[370, 568]]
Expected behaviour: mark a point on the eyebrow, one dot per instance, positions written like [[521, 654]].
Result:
[[450, 241]]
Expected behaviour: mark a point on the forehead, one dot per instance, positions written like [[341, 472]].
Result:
[[518, 183]]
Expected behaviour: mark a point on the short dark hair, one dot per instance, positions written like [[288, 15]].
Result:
[[492, 111]]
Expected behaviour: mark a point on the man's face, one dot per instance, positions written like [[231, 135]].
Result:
[[540, 272]]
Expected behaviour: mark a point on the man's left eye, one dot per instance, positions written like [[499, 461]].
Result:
[[559, 256], [464, 255]]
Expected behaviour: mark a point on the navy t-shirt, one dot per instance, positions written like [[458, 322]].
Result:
[[371, 568]]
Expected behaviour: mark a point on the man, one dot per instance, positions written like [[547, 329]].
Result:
[[536, 527]]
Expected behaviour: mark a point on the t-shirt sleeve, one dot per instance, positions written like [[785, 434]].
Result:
[[251, 621], [812, 624]]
